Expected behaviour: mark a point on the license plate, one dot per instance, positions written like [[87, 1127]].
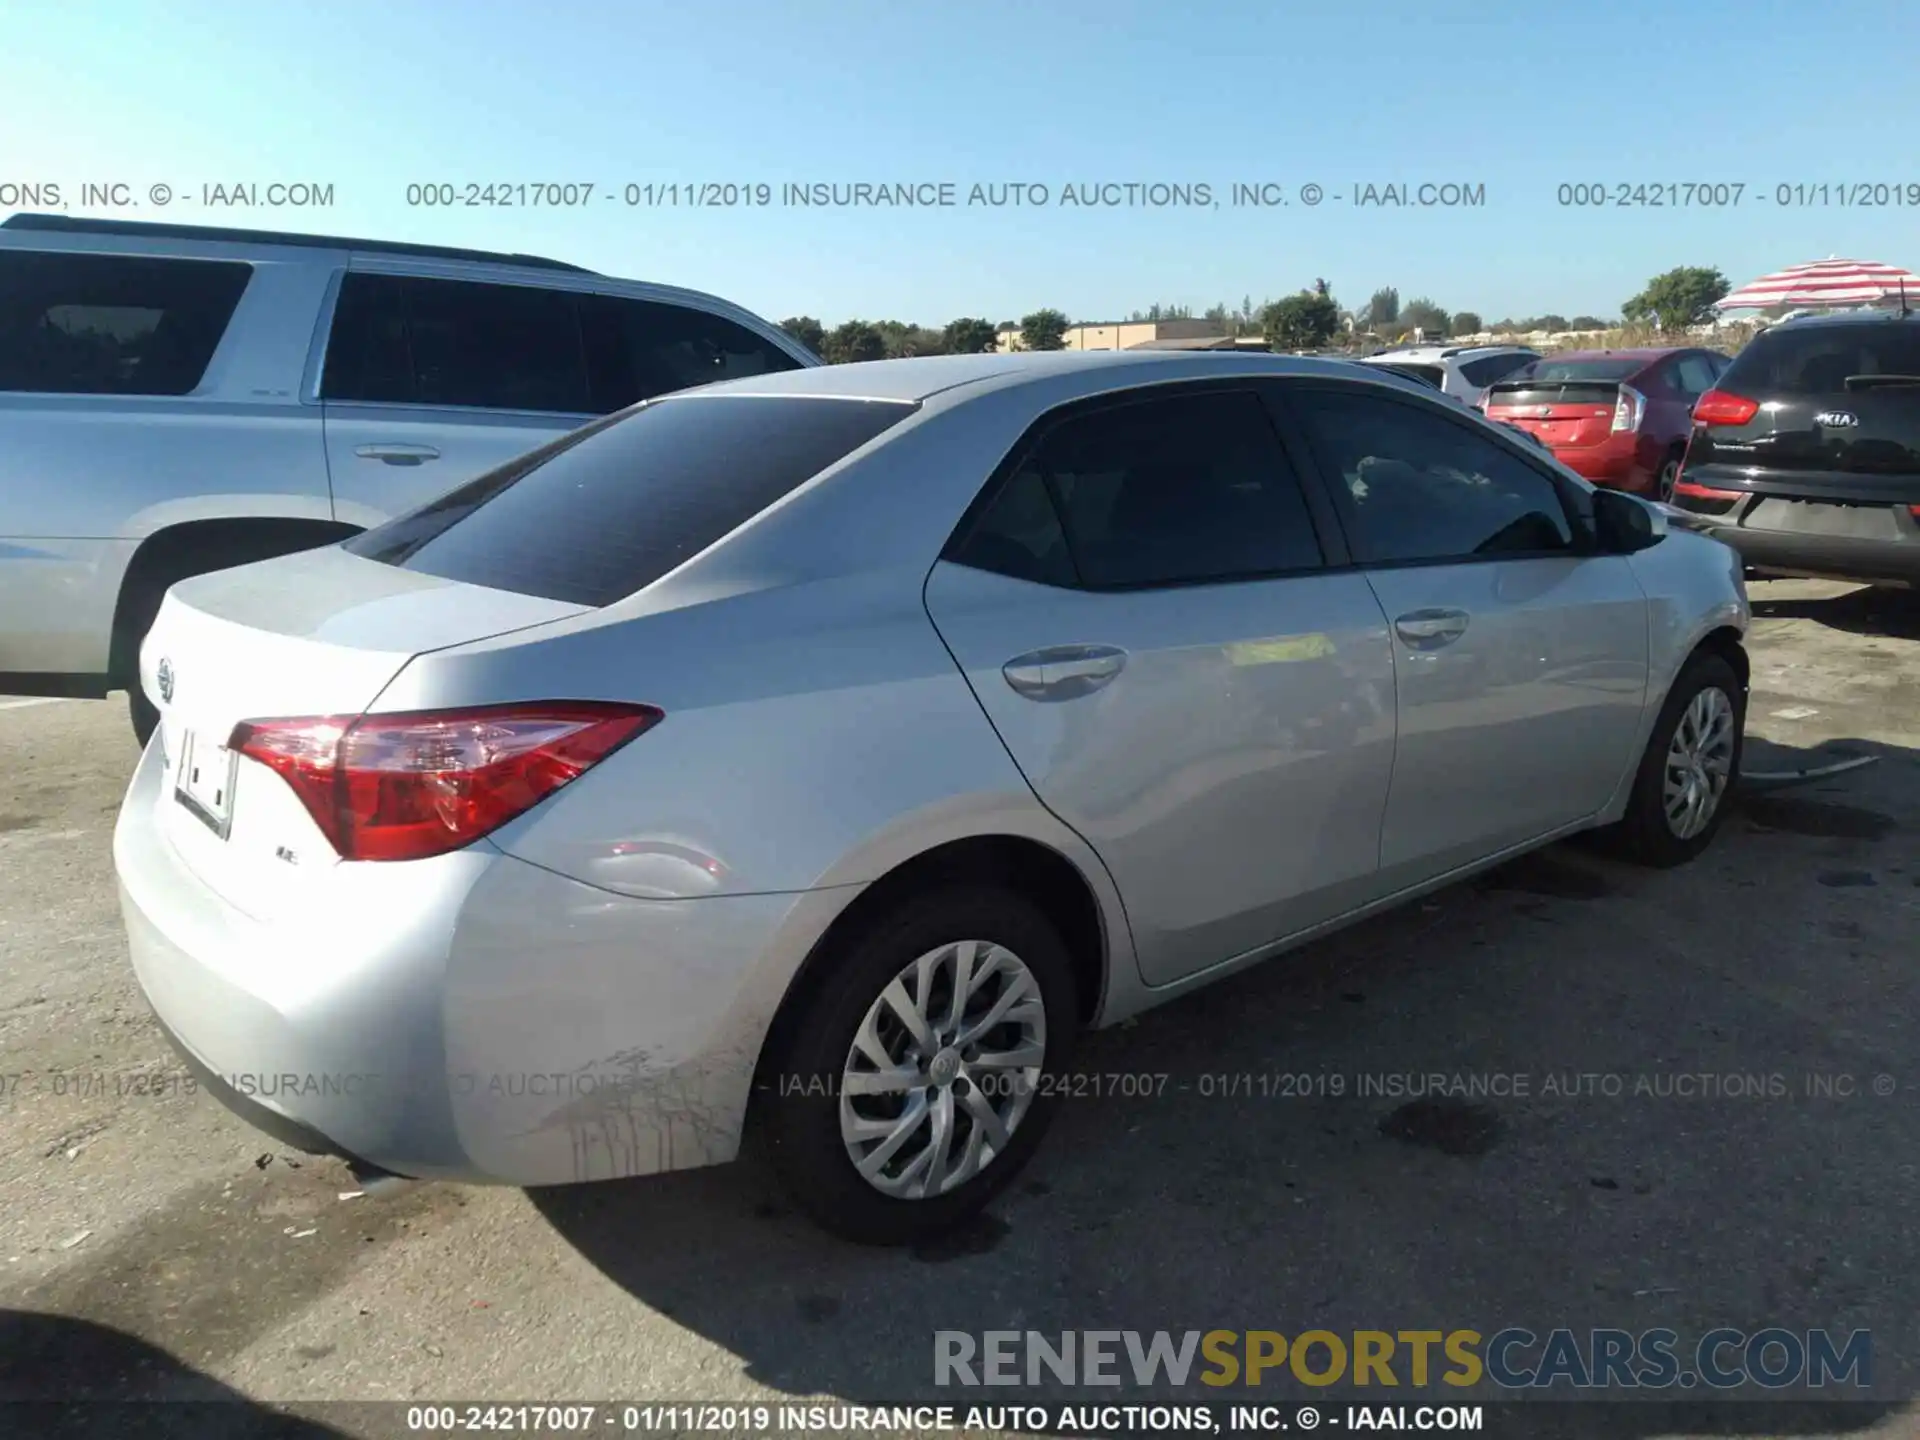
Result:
[[203, 781]]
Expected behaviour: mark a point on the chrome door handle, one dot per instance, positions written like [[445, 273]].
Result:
[[1063, 672], [398, 454], [1430, 629]]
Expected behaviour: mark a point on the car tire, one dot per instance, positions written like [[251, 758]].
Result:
[[1707, 693], [1667, 477], [812, 1102]]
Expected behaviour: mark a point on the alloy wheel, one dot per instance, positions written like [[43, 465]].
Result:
[[943, 1069], [1699, 763]]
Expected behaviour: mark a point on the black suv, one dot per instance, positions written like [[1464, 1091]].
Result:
[[1806, 456]]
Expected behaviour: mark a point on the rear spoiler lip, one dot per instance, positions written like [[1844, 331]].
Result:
[[1516, 387]]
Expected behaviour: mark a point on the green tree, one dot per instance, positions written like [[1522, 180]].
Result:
[[1683, 296], [1044, 330], [855, 341], [1465, 322], [807, 330], [968, 336], [1383, 310], [1422, 314], [1300, 322], [1550, 321], [1589, 322]]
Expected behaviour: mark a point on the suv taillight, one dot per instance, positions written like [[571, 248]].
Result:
[[407, 786], [1629, 409], [1723, 407]]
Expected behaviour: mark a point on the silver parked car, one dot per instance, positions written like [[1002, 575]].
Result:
[[834, 745], [177, 399]]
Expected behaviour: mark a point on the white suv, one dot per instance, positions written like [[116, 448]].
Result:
[[1462, 371], [177, 399]]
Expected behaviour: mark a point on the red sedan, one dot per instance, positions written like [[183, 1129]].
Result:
[[1621, 418]]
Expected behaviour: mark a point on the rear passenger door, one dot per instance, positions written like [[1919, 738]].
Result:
[[1151, 614], [1520, 655], [428, 382]]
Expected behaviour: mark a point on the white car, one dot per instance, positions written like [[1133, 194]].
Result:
[[177, 399], [1461, 371]]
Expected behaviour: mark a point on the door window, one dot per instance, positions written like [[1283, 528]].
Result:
[[112, 324], [1416, 486], [412, 341], [637, 349], [1175, 490], [1693, 375]]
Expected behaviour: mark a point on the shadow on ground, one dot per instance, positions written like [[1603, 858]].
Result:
[[1869, 610], [61, 1377], [1293, 1164]]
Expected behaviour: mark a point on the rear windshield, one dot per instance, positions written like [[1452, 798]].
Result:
[[1556, 372], [112, 324], [607, 510], [1426, 374], [1821, 359]]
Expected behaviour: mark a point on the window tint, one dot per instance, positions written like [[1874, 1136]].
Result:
[[1019, 535], [1693, 375], [1549, 372], [637, 349], [495, 347], [367, 356], [1186, 488], [608, 510], [1489, 368], [112, 324], [1415, 486], [457, 343], [1426, 374], [1819, 359]]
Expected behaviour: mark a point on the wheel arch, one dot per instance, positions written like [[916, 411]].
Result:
[[1029, 867]]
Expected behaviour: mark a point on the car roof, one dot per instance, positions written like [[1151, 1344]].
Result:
[[922, 378], [1647, 353], [1846, 317]]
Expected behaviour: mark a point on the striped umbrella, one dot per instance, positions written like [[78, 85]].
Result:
[[1832, 283]]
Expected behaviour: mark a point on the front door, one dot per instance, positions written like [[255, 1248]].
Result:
[[1146, 616], [1520, 657]]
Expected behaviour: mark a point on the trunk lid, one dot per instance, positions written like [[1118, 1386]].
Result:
[[318, 633], [1567, 413]]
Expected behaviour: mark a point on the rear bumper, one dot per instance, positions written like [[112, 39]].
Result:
[[1823, 557], [487, 1020], [1792, 536]]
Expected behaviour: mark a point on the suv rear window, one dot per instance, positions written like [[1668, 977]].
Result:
[[1819, 359], [112, 324], [1489, 368], [607, 510]]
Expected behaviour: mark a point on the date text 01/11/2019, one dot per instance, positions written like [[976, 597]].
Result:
[[1730, 194]]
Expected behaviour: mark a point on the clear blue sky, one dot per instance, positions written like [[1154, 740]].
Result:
[[371, 97]]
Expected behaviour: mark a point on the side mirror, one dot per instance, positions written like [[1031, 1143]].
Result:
[[1624, 523]]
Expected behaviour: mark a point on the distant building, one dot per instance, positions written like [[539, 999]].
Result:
[[1124, 334]]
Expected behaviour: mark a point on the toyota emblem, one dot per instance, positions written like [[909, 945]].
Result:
[[164, 678]]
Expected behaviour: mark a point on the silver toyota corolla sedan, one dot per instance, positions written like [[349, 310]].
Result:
[[831, 747]]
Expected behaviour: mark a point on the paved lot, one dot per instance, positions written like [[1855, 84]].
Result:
[[206, 1261]]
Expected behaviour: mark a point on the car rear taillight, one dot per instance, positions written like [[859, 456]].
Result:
[[407, 786], [1723, 407], [1629, 409]]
